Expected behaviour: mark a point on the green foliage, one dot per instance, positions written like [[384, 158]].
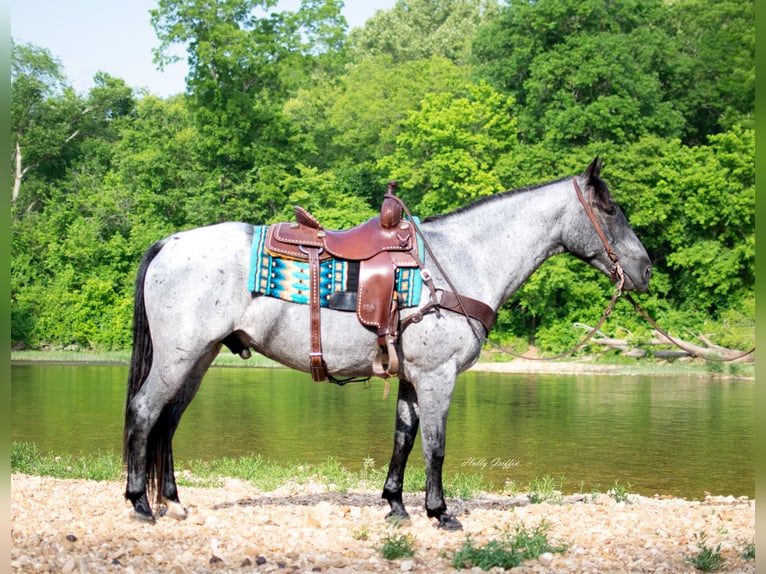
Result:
[[466, 485], [446, 151], [508, 550], [544, 489], [395, 546], [419, 29], [748, 549], [27, 459], [714, 92], [457, 100], [596, 74], [707, 559], [619, 492]]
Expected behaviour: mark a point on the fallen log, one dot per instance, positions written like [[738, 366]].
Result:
[[682, 348]]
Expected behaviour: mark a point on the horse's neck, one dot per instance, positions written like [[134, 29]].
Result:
[[490, 249]]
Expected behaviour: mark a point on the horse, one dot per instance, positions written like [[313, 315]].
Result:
[[192, 298]]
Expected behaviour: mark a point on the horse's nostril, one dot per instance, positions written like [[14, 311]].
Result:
[[648, 272]]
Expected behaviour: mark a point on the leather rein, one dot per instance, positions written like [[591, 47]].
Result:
[[474, 309], [617, 276], [461, 303]]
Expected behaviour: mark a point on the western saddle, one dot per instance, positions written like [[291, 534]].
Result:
[[380, 245]]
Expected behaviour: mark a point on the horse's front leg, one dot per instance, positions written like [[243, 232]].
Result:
[[434, 403], [407, 420]]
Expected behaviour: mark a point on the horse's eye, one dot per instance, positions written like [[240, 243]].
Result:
[[610, 209]]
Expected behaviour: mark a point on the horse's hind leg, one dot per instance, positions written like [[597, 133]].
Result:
[[407, 420], [141, 415], [168, 489], [152, 418]]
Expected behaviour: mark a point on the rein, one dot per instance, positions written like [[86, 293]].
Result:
[[617, 276]]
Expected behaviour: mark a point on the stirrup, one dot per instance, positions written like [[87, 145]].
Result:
[[386, 362]]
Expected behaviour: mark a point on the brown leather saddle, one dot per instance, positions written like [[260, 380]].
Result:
[[381, 245]]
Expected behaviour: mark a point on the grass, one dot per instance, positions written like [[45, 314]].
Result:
[[707, 559], [396, 545], [27, 458], [507, 550], [619, 492], [748, 549], [545, 489], [265, 475]]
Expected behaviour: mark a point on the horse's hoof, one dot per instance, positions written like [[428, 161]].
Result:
[[174, 510], [449, 523], [398, 518], [137, 516]]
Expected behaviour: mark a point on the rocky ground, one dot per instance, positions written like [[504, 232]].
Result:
[[84, 526]]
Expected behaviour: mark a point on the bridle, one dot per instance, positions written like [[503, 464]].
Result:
[[616, 273], [617, 276]]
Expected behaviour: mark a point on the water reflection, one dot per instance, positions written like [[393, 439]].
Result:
[[679, 436]]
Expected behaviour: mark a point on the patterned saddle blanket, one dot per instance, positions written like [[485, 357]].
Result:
[[288, 279]]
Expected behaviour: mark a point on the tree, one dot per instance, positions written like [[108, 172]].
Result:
[[694, 208], [418, 29], [447, 149], [44, 113], [242, 67], [715, 64], [348, 125], [582, 71]]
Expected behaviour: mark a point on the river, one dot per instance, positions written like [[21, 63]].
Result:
[[669, 435]]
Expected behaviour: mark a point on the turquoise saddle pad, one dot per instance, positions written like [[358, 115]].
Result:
[[289, 280]]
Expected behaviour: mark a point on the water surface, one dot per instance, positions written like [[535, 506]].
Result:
[[680, 436]]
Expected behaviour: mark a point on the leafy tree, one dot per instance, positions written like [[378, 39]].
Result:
[[348, 126], [447, 149], [715, 64], [694, 208], [581, 71], [242, 67], [320, 194], [418, 29], [44, 116]]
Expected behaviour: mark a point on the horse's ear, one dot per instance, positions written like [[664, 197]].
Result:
[[592, 176], [593, 171]]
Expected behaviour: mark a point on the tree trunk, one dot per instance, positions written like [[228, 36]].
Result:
[[688, 349]]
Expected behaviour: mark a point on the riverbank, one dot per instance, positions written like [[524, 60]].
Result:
[[65, 525], [588, 365]]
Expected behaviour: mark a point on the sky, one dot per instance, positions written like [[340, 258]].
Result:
[[116, 37]]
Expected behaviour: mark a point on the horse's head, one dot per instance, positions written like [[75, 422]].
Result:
[[604, 234]]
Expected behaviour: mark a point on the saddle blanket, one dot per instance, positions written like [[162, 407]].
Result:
[[289, 279]]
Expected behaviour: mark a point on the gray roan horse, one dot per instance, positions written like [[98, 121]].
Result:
[[192, 296]]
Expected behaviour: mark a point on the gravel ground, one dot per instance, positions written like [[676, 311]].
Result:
[[84, 526]]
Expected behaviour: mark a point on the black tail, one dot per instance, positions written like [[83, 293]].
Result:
[[141, 360]]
